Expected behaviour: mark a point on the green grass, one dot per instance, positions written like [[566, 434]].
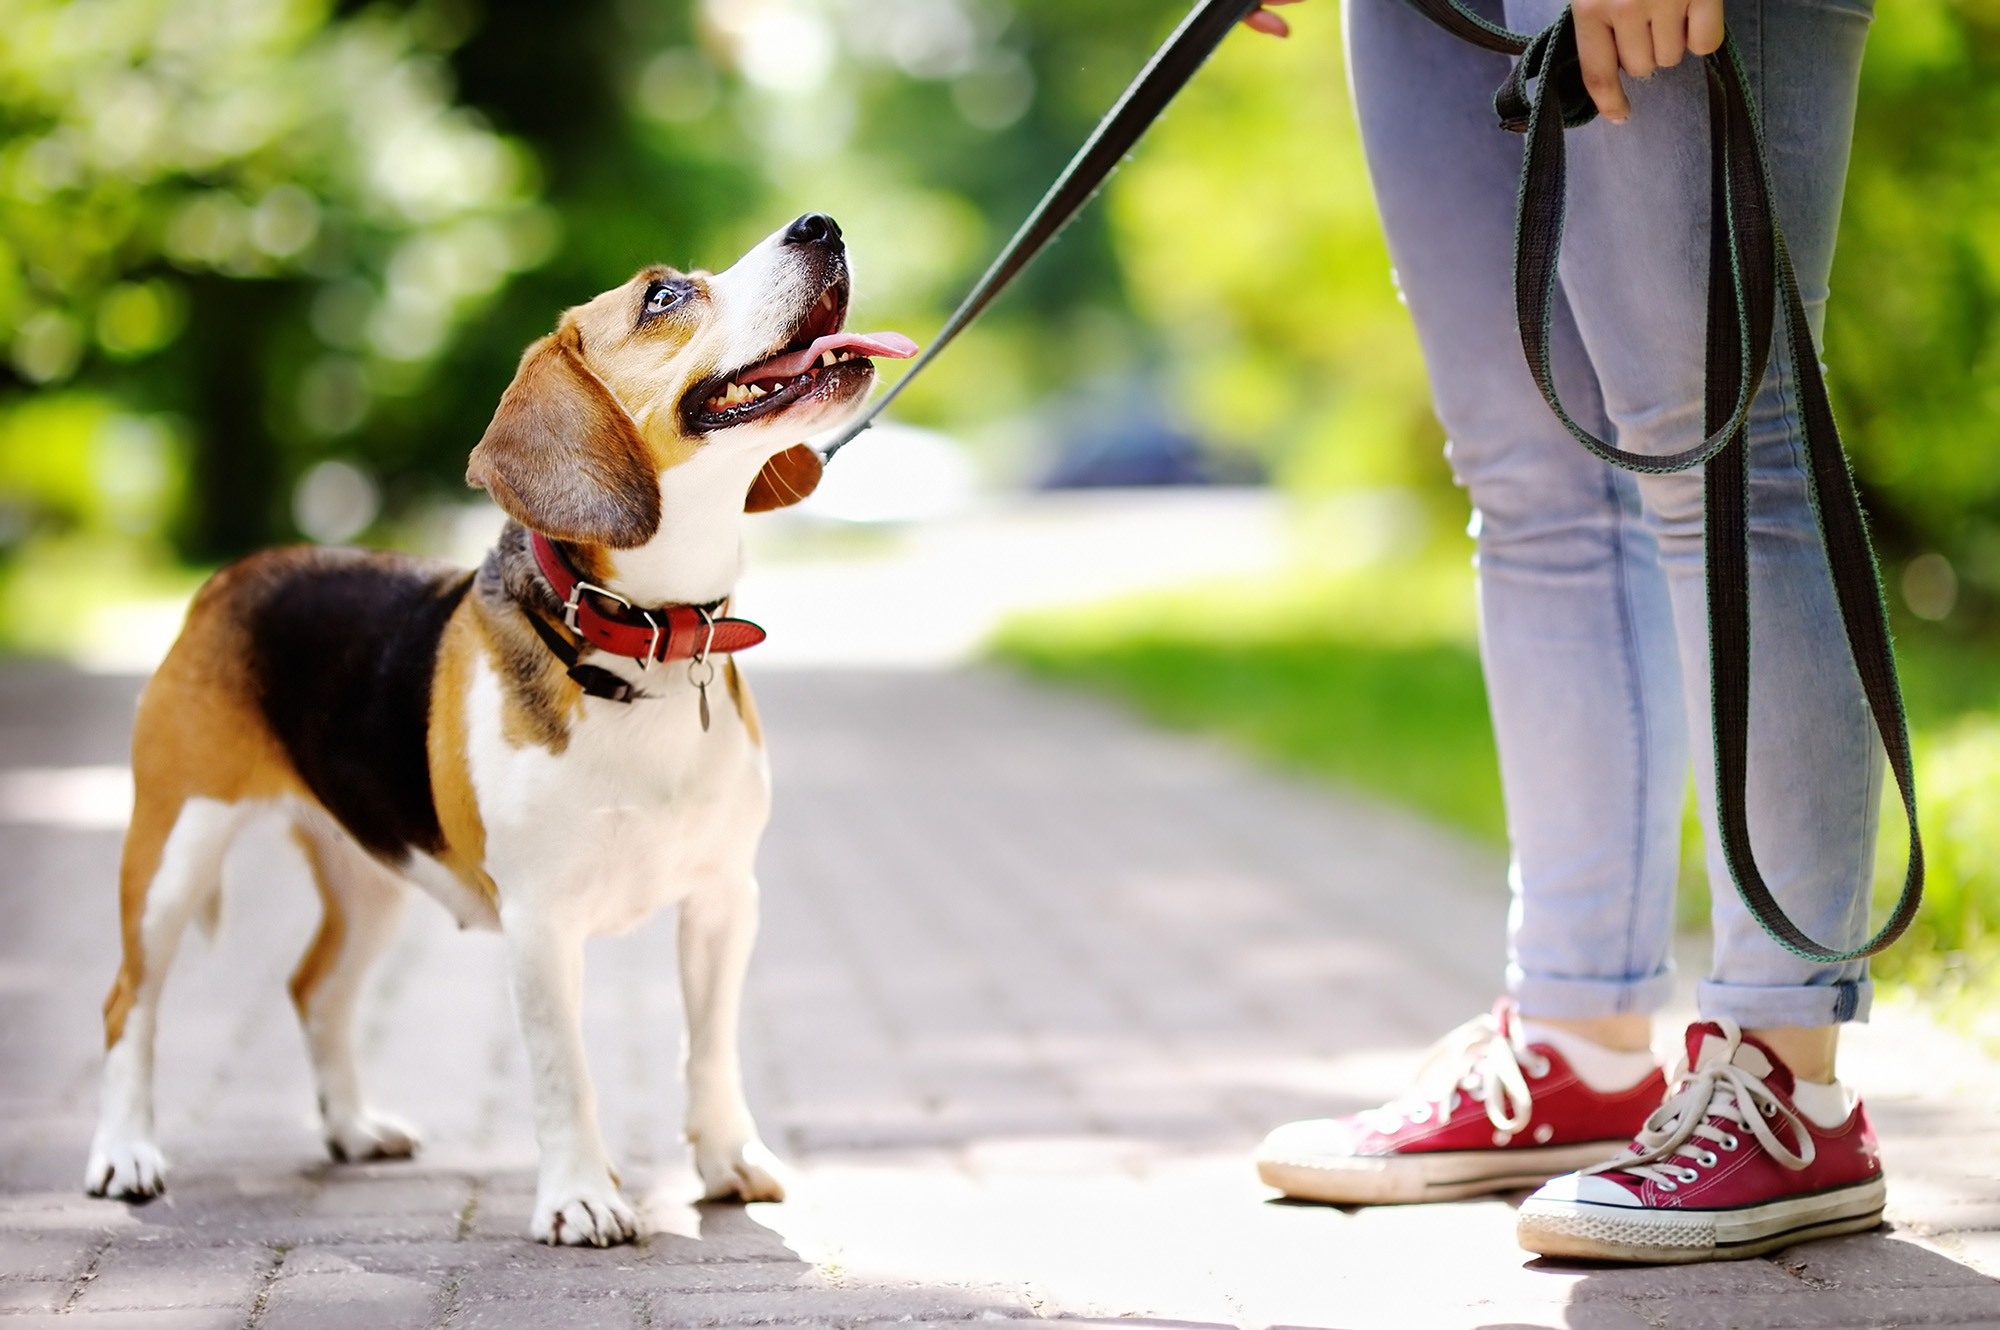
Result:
[[1367, 678], [1407, 723]]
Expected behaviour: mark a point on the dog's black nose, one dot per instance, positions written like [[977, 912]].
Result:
[[815, 228]]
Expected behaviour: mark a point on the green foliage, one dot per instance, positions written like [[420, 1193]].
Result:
[[1913, 326], [299, 230], [1248, 237], [1956, 937], [295, 191]]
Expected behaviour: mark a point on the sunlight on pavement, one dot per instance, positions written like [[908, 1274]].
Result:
[[1094, 1227], [95, 798]]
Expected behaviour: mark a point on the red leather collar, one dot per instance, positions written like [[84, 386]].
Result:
[[665, 632]]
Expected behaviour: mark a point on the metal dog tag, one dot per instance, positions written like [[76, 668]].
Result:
[[701, 673]]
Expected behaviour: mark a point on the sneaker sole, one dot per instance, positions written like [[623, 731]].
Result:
[[1440, 1176], [1675, 1237]]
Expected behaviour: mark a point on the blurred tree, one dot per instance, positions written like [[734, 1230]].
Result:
[[300, 195], [1913, 328], [1247, 234], [240, 239]]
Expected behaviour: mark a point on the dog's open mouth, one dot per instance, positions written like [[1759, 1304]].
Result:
[[817, 361]]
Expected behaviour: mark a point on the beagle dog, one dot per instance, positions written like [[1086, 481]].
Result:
[[554, 746]]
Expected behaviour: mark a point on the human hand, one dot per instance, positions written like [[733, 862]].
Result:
[[1261, 19], [1637, 36]]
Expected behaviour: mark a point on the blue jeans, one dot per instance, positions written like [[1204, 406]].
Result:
[[1592, 610]]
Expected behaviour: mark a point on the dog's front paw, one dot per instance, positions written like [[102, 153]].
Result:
[[132, 1170], [369, 1135], [746, 1172], [584, 1217]]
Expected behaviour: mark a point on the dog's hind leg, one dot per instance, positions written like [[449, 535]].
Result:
[[363, 903], [717, 927], [172, 866]]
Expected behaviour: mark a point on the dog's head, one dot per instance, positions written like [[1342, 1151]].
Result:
[[670, 365]]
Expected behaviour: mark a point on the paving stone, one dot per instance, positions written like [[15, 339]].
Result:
[[615, 1312], [46, 1256], [382, 1194], [1867, 1261], [346, 1299], [1956, 1305], [1031, 982], [132, 1276], [842, 1306], [33, 1296], [1717, 1278], [1980, 1250], [199, 1318], [585, 1281]]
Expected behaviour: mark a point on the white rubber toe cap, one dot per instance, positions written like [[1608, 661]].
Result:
[[1585, 1189], [1309, 1141]]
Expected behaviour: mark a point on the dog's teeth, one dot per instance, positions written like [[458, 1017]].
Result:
[[827, 359], [755, 392]]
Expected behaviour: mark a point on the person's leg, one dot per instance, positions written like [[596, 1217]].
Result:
[[1577, 637], [1751, 1153], [1576, 628], [1634, 262]]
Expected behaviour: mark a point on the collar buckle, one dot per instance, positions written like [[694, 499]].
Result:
[[575, 602]]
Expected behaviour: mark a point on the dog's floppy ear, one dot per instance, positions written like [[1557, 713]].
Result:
[[785, 479], [563, 458]]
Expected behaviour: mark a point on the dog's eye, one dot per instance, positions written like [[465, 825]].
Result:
[[663, 298]]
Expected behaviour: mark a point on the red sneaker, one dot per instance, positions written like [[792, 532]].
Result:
[[1488, 1113], [1711, 1176]]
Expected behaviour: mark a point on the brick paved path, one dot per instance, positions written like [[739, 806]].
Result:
[[1032, 980]]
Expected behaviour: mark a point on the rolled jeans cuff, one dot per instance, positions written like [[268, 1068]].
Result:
[[1573, 999], [1755, 1007]]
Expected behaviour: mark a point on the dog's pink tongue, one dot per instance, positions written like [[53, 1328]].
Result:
[[891, 344]]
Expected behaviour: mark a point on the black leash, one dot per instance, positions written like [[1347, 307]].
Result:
[[1750, 274], [1184, 52]]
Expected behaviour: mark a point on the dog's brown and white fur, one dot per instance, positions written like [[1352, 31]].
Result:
[[412, 727]]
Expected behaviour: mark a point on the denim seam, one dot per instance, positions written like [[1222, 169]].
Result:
[[1642, 732]]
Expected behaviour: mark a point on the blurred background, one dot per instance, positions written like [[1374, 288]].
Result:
[[265, 266]]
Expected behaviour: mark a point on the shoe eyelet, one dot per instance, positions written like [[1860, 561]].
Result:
[[1689, 1175], [1769, 1110], [1667, 1184], [1538, 1069], [1729, 1142], [1419, 1116], [1708, 1159]]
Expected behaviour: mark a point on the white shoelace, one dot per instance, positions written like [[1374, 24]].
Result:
[[1716, 1088], [1478, 1062]]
